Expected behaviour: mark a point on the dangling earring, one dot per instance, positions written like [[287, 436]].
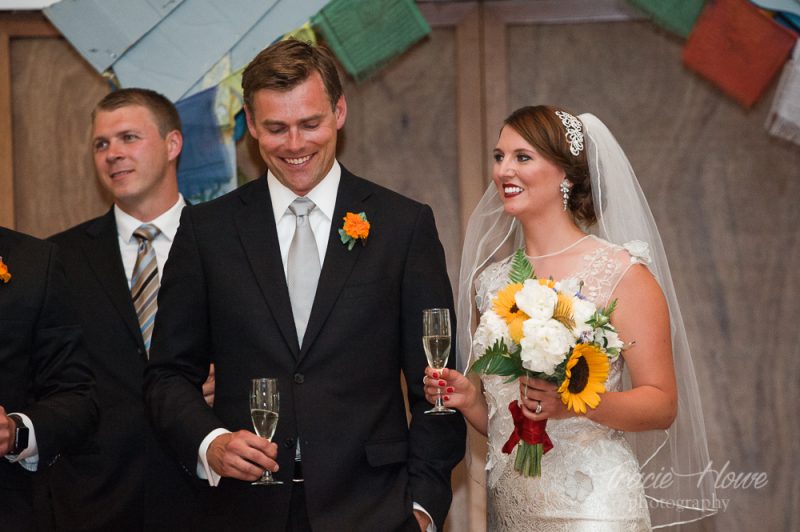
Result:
[[564, 188]]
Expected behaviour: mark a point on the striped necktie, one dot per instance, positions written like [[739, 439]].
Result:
[[144, 282]]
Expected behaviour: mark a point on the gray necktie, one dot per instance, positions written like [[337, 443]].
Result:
[[144, 282], [302, 270]]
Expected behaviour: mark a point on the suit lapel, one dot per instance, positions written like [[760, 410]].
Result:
[[259, 237], [103, 255], [339, 261]]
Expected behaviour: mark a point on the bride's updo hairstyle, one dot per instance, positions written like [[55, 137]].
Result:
[[542, 128]]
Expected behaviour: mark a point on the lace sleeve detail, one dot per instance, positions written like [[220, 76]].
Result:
[[603, 268], [492, 279]]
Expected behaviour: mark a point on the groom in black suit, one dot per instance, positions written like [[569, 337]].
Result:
[[343, 448]]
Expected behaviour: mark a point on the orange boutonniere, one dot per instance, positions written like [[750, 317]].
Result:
[[4, 275], [355, 228]]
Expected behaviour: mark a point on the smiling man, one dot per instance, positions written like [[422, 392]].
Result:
[[263, 279], [125, 481]]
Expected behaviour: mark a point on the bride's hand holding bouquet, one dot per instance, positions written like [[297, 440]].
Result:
[[533, 392]]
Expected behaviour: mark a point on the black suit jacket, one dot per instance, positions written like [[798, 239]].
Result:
[[224, 298], [43, 370], [126, 480]]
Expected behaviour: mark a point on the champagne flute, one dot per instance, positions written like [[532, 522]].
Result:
[[264, 407], [436, 341]]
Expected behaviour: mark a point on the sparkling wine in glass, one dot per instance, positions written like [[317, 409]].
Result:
[[264, 408], [436, 341]]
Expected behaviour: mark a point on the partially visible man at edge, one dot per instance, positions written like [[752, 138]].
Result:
[[47, 404], [127, 482]]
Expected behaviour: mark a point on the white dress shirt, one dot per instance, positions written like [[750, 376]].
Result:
[[167, 223], [29, 456]]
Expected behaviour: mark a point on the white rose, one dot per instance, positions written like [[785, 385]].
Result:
[[490, 329], [640, 251], [535, 300], [544, 345], [582, 311]]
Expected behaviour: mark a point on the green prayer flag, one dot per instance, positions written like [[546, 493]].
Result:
[[366, 34], [677, 16]]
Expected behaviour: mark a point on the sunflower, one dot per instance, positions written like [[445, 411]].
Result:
[[586, 373], [505, 305]]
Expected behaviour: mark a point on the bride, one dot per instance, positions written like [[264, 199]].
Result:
[[564, 192]]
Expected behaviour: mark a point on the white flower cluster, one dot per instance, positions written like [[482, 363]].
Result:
[[638, 250], [490, 329], [546, 342]]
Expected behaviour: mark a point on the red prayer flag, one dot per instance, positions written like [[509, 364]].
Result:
[[738, 48]]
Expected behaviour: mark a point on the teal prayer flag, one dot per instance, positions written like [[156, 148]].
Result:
[[677, 16], [366, 34]]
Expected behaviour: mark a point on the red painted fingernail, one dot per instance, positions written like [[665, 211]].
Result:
[[435, 375], [450, 389], [446, 397], [442, 383]]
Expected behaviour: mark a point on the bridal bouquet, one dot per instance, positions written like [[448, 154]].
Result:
[[545, 329]]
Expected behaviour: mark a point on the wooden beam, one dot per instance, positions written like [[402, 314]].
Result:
[[472, 155], [495, 79], [13, 25], [6, 146], [27, 24], [562, 11], [464, 17]]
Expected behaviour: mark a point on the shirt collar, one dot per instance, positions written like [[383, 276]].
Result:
[[323, 195], [167, 222]]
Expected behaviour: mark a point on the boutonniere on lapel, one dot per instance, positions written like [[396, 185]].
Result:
[[5, 276], [355, 229]]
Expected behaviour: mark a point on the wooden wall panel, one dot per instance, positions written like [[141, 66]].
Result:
[[723, 193], [54, 91], [6, 136], [401, 132]]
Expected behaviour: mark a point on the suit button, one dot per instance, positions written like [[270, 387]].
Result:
[[299, 378], [289, 443], [140, 351]]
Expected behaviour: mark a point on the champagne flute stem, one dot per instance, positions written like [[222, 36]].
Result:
[[439, 400]]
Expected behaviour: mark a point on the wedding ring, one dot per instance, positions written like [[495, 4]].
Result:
[[538, 407]]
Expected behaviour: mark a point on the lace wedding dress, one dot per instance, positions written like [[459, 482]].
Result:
[[590, 479]]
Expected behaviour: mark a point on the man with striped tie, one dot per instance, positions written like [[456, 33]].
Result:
[[128, 481]]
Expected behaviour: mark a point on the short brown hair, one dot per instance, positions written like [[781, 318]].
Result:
[[542, 128], [284, 65], [165, 113]]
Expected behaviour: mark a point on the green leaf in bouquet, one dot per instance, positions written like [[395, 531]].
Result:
[[498, 361], [602, 317], [560, 371], [521, 268]]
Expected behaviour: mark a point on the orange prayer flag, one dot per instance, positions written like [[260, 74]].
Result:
[[738, 48]]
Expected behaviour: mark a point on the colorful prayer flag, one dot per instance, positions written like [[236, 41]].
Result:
[[738, 48]]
